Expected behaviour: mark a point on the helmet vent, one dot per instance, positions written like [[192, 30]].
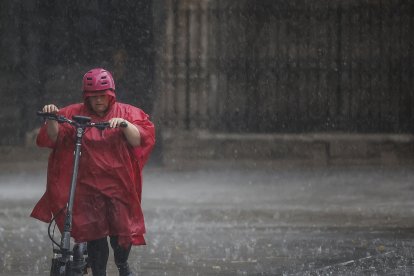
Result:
[[89, 78], [103, 77], [104, 82]]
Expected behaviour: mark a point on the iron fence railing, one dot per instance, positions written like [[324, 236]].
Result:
[[277, 66]]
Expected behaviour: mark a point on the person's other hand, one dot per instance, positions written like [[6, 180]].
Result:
[[50, 108], [115, 122]]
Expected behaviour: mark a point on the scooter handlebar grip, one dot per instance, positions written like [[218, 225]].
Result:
[[44, 114]]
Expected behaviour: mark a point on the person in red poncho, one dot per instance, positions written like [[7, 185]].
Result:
[[108, 193]]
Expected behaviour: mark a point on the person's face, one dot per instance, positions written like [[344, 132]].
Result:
[[99, 104]]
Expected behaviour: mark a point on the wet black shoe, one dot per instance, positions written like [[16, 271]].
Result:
[[124, 270]]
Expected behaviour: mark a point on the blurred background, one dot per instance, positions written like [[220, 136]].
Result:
[[252, 79], [284, 129]]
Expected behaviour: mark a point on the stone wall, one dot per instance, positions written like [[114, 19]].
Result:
[[184, 149]]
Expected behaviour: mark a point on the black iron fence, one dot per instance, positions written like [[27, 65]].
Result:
[[287, 66]]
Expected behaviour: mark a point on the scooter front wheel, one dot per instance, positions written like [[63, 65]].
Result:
[[58, 267]]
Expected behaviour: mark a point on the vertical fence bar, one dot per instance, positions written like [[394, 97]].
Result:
[[338, 61], [203, 84], [187, 69], [175, 65], [410, 61]]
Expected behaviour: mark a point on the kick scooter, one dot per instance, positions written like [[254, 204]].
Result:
[[67, 261]]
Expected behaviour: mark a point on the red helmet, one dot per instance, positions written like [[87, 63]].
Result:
[[98, 79]]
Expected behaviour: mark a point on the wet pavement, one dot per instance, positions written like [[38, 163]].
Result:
[[232, 220]]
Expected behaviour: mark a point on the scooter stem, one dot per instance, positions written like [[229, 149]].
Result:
[[67, 228]]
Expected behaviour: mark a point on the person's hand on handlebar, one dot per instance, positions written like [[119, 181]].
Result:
[[52, 126], [130, 130], [50, 108], [115, 122]]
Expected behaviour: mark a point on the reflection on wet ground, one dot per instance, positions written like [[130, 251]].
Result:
[[320, 221]]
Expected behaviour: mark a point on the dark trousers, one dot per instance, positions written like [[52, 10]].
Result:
[[98, 253]]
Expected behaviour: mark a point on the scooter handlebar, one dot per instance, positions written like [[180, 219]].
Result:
[[103, 125], [44, 114], [53, 116], [62, 119]]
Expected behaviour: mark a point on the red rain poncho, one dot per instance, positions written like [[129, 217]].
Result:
[[108, 192]]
